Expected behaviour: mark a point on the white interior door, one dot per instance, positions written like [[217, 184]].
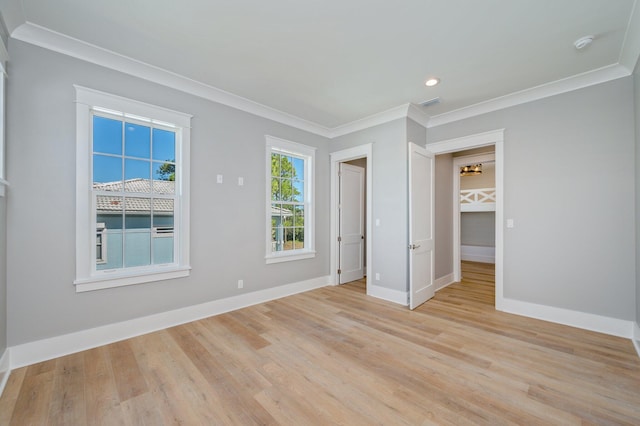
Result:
[[421, 218], [351, 232]]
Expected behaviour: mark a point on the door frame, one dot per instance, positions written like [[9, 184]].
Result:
[[457, 163], [495, 138], [337, 157]]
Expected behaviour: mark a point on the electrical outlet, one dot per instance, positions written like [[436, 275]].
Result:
[[240, 283]]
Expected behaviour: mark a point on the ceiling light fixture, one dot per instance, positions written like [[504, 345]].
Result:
[[583, 42], [471, 170], [432, 81]]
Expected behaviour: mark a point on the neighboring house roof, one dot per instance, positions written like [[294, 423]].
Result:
[[113, 204], [138, 185], [277, 211]]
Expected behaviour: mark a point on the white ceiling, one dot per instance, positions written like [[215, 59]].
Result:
[[332, 62]]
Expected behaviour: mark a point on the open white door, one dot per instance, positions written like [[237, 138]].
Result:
[[351, 234], [421, 190]]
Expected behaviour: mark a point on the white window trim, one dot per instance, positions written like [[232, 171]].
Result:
[[86, 278], [297, 149]]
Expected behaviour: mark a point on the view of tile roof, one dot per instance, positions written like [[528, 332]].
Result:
[[113, 204]]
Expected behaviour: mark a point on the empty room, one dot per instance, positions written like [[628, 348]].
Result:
[[288, 213]]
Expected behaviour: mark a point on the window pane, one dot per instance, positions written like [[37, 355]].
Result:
[[275, 189], [287, 215], [288, 238], [107, 169], [137, 248], [275, 164], [299, 238], [107, 135], [298, 191], [299, 216], [112, 246], [164, 145], [109, 211], [162, 173], [298, 168], [286, 190], [162, 212], [137, 140], [276, 227], [137, 213], [163, 249], [286, 167], [137, 171]]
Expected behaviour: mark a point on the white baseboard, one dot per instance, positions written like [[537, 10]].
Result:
[[42, 350], [5, 369], [384, 293], [444, 281], [636, 337], [601, 324], [478, 254]]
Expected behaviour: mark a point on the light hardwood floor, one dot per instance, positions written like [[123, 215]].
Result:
[[336, 356]]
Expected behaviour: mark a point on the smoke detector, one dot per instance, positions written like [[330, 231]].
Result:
[[583, 42]]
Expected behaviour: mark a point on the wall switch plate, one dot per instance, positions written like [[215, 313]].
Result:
[[510, 223], [240, 283], [377, 276], [219, 179], [240, 181]]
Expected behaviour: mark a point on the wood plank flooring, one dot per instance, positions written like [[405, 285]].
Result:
[[337, 356]]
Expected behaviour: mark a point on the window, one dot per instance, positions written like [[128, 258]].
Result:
[[101, 244], [290, 201], [132, 192]]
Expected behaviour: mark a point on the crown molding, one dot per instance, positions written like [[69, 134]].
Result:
[[43, 37], [578, 81], [631, 46], [392, 114], [57, 42], [12, 14], [416, 114]]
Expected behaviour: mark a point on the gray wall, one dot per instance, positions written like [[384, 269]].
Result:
[[227, 221], [389, 198], [3, 275], [573, 243], [3, 243], [636, 76], [478, 229], [443, 215]]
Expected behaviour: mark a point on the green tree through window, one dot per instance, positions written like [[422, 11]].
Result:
[[287, 196]]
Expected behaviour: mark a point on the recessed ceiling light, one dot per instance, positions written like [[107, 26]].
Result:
[[583, 42], [432, 81]]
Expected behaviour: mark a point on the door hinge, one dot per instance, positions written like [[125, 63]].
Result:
[[339, 271], [339, 239]]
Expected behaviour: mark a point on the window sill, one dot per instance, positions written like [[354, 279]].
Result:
[[119, 280], [277, 258], [3, 184]]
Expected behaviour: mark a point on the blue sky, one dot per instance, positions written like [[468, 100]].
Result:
[[141, 155]]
